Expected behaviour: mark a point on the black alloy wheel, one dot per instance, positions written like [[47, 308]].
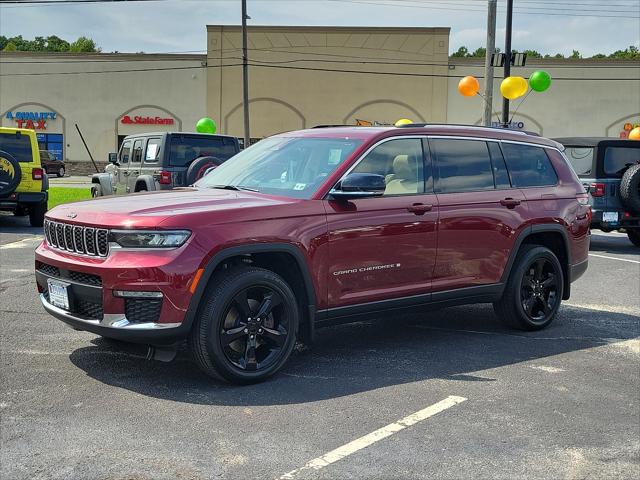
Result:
[[539, 290], [255, 329]]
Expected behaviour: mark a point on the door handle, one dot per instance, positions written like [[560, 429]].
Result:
[[510, 202], [420, 208], [126, 174], [135, 172]]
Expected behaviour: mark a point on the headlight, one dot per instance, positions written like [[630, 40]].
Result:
[[149, 239]]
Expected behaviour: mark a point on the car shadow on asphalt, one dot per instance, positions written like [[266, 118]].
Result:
[[10, 223], [608, 244], [450, 344]]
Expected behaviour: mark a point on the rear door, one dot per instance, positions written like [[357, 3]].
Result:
[[480, 212], [384, 247]]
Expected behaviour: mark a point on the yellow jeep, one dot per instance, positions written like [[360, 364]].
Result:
[[23, 183]]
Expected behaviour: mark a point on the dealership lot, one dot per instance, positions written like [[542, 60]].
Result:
[[447, 394]]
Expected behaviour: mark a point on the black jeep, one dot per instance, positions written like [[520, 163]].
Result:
[[162, 161], [610, 171]]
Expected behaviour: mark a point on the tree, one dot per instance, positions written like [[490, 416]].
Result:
[[83, 44], [9, 47], [532, 54], [51, 43], [462, 52], [575, 54]]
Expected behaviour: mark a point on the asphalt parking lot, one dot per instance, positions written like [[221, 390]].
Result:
[[448, 394]]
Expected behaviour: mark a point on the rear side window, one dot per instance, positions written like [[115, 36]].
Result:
[[581, 159], [529, 166], [17, 145], [185, 149], [152, 154], [618, 159], [461, 165]]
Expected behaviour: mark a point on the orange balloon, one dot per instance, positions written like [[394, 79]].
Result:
[[634, 134], [468, 86]]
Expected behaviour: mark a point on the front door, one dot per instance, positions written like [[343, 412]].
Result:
[[135, 164], [385, 247], [119, 179]]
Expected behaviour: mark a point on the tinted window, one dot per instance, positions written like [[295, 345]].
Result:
[[184, 149], [500, 173], [529, 166], [17, 145], [136, 154], [400, 162], [152, 153], [125, 152], [286, 166], [580, 158], [461, 165], [618, 159]]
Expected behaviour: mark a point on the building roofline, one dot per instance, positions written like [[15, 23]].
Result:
[[322, 29], [103, 56]]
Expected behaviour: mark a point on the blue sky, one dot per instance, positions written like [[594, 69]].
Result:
[[590, 26]]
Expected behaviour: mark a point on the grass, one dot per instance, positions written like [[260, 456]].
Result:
[[60, 195]]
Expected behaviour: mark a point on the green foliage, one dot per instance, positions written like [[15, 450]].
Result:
[[51, 43], [462, 52], [631, 53]]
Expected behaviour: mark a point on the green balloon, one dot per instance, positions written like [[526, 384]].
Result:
[[539, 81], [206, 125]]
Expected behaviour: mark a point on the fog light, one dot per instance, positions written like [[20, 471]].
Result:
[[136, 294]]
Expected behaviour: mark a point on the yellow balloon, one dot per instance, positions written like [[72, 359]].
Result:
[[403, 121], [524, 85], [511, 88], [634, 134]]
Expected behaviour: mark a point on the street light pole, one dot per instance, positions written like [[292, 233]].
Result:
[[488, 65], [507, 61], [245, 75]]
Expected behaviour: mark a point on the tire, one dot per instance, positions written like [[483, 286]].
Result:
[[199, 166], [527, 304], [60, 172], [10, 173], [36, 214], [630, 189], [634, 236], [228, 347], [96, 190]]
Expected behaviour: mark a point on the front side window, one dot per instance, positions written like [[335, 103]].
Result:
[[529, 166], [461, 165], [400, 162], [286, 166], [125, 152], [618, 159], [581, 159]]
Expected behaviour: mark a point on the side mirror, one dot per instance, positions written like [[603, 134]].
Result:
[[113, 158], [359, 185]]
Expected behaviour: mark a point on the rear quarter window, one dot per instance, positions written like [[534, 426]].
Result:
[[185, 149], [17, 145], [529, 166]]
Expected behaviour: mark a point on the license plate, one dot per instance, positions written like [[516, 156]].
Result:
[[610, 217], [58, 295]]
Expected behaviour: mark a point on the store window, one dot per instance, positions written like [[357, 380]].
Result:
[[53, 143]]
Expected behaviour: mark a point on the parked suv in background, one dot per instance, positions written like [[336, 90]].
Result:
[[317, 227], [162, 161], [51, 164], [23, 182], [610, 170]]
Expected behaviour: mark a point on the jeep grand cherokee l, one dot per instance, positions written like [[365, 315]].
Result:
[[315, 227]]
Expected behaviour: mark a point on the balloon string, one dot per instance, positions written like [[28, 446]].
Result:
[[519, 105], [491, 106]]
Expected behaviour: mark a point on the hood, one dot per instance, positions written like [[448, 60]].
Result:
[[150, 209]]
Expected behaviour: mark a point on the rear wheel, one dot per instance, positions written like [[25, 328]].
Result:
[[246, 326], [36, 214], [61, 172], [534, 290], [634, 236], [96, 190]]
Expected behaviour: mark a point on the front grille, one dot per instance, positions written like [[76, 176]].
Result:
[[88, 309], [85, 278], [78, 277], [49, 270], [142, 310], [75, 238]]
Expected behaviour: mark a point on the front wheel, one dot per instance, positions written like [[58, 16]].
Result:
[[96, 190], [246, 326], [634, 236], [60, 172], [534, 290]]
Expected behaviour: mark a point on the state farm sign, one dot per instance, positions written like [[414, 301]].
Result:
[[140, 120]]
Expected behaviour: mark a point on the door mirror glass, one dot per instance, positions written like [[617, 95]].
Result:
[[360, 185], [113, 158]]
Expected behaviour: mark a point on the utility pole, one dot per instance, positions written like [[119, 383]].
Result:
[[488, 63], [507, 61], [245, 76]]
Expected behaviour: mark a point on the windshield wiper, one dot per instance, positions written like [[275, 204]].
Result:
[[234, 187]]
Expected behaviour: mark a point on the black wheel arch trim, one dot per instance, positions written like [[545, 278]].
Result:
[[235, 251]]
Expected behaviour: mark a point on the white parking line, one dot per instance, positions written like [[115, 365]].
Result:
[[614, 258], [24, 243], [375, 436]]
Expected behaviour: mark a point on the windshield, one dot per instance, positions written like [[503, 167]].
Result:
[[618, 159], [581, 159], [286, 166]]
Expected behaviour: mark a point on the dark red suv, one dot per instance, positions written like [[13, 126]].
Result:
[[316, 227]]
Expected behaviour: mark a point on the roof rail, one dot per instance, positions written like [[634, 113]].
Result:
[[332, 126], [463, 125]]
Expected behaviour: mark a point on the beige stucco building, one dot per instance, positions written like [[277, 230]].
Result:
[[299, 77]]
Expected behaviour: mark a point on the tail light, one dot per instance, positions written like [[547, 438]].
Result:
[[37, 174], [583, 198], [597, 190], [165, 178]]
